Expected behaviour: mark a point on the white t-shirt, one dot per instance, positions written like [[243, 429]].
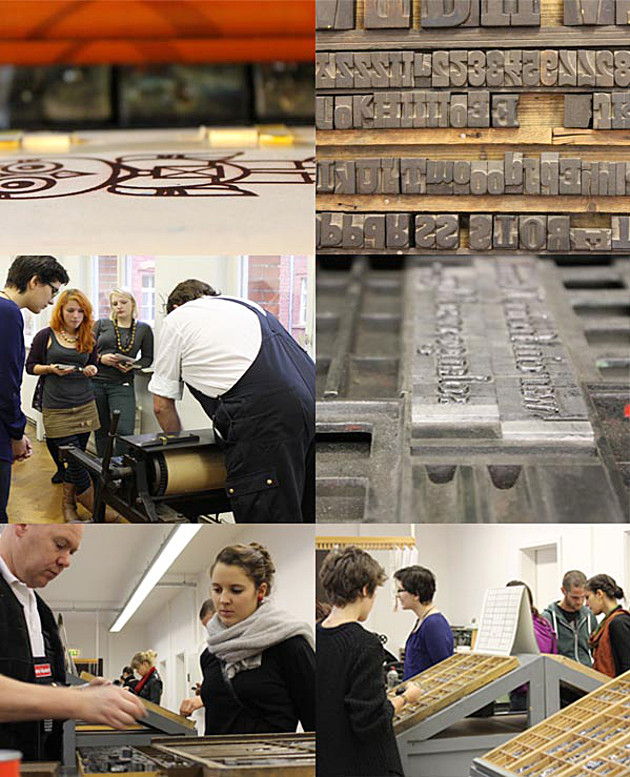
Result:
[[26, 598], [208, 343]]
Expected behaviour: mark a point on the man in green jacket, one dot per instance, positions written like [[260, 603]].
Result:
[[572, 621]]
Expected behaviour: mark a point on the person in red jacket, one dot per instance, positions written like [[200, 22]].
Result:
[[610, 642]]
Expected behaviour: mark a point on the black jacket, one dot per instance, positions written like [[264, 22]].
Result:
[[151, 690], [16, 661]]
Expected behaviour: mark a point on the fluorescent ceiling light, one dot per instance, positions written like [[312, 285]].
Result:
[[172, 548]]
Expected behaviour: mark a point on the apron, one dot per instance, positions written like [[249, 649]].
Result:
[[267, 425]]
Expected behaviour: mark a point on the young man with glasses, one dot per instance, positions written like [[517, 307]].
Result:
[[32, 283]]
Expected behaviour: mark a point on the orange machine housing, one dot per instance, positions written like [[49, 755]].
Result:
[[88, 32]]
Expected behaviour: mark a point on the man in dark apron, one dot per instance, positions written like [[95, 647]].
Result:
[[265, 420]]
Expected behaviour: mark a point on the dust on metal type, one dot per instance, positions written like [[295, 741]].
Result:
[[485, 389]]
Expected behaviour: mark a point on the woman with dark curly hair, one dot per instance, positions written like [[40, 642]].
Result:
[[64, 356], [610, 642]]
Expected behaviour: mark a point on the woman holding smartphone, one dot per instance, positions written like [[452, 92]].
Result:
[[119, 340], [64, 356]]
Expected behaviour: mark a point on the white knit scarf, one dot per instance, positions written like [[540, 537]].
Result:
[[240, 646]]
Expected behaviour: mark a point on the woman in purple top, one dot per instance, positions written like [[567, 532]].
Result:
[[431, 639]]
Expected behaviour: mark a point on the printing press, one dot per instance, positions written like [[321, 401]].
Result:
[[162, 477]]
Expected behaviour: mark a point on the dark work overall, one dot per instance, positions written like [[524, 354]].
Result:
[[267, 422], [37, 740]]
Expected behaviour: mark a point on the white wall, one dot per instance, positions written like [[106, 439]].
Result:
[[468, 559]]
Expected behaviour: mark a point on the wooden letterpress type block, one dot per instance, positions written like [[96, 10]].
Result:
[[531, 68], [390, 176], [591, 239], [622, 68], [461, 177], [494, 14], [397, 230], [604, 181], [569, 176], [324, 112], [439, 176], [604, 68], [424, 235], [527, 14], [586, 68], [362, 111], [330, 229], [325, 176], [422, 68], [580, 12], [334, 14], [387, 110], [513, 68], [325, 71], [345, 182], [505, 232], [457, 13], [558, 233], [531, 176], [374, 230], [620, 233], [458, 115], [458, 67], [505, 110], [548, 67], [532, 232], [567, 68], [437, 109], [620, 178], [476, 68], [479, 109], [368, 172], [495, 63], [623, 12], [479, 177], [621, 110], [343, 112], [420, 108], [602, 111], [344, 66], [363, 70], [407, 109], [513, 171], [480, 232], [398, 65], [440, 75], [549, 171], [578, 110], [587, 179], [352, 230], [496, 177], [387, 14], [447, 231]]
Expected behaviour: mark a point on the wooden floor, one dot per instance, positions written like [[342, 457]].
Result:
[[34, 499]]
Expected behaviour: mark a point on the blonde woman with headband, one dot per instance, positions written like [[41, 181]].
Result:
[[119, 340], [259, 668], [149, 686]]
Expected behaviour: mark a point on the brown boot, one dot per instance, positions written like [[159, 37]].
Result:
[[86, 498], [69, 503]]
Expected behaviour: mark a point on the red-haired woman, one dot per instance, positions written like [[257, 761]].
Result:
[[64, 356]]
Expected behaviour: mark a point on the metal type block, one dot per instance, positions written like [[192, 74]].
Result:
[[480, 232], [622, 12], [513, 67], [422, 68], [590, 12], [344, 63], [390, 176], [329, 229], [479, 177], [505, 232], [478, 109], [622, 68], [413, 172], [374, 231], [476, 68], [397, 230], [532, 233], [343, 112], [586, 74], [345, 182], [513, 167], [591, 239], [620, 233], [440, 75], [531, 68], [367, 175], [458, 67], [440, 13], [531, 176], [494, 14], [387, 110], [352, 231], [527, 14], [458, 114], [496, 177], [334, 14], [578, 110], [495, 67], [380, 69], [505, 110], [558, 233], [325, 176], [621, 110], [387, 14], [325, 70], [604, 65], [324, 107], [567, 68], [549, 172], [549, 67], [362, 111]]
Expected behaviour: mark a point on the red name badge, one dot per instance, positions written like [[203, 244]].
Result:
[[43, 670]]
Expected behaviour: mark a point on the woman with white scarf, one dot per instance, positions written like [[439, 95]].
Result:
[[259, 668]]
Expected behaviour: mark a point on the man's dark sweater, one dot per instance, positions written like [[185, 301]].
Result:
[[355, 737], [12, 419]]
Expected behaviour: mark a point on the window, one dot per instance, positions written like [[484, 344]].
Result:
[[136, 273], [278, 284]]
